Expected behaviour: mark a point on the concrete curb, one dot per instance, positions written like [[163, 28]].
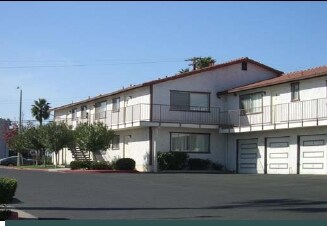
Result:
[[21, 215]]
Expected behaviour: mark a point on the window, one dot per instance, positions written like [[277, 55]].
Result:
[[74, 114], [190, 142], [251, 103], [83, 112], [100, 110], [115, 142], [295, 90], [244, 66], [189, 101], [115, 104]]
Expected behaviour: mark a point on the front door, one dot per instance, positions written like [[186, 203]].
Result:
[[126, 151]]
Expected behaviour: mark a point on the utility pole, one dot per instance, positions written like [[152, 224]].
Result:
[[20, 121]]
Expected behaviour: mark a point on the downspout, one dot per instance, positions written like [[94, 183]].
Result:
[[227, 151], [151, 155]]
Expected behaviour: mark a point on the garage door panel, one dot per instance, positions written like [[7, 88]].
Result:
[[278, 155], [278, 166], [313, 166], [248, 156], [313, 154]]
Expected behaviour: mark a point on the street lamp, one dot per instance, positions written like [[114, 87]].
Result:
[[20, 121]]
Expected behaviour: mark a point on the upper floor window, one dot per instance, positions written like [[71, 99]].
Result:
[[100, 110], [251, 103], [295, 90], [189, 101], [83, 112], [115, 104], [74, 114]]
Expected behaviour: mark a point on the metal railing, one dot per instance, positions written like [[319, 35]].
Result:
[[150, 113], [300, 111]]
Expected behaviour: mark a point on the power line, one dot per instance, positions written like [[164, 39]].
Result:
[[87, 65], [98, 60]]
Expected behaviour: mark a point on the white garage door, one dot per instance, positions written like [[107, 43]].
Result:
[[278, 155], [248, 154], [313, 154]]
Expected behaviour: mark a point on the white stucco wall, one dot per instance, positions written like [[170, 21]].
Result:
[[310, 89], [211, 81], [137, 147], [217, 152]]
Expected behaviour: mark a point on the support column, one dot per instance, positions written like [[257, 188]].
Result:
[[155, 136]]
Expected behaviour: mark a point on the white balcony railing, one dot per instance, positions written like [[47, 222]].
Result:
[[293, 112], [150, 113]]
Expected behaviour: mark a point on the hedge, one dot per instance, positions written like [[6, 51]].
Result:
[[8, 188], [4, 214], [125, 164], [74, 165], [199, 164], [172, 160], [89, 165]]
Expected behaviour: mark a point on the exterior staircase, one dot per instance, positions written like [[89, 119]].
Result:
[[80, 155]]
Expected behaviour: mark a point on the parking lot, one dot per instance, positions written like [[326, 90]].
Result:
[[54, 195]]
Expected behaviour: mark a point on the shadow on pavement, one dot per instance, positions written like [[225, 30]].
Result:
[[293, 205]]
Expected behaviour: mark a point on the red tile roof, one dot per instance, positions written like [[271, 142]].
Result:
[[284, 78], [214, 67]]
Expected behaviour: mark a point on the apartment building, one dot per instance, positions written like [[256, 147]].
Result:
[[278, 126], [177, 113]]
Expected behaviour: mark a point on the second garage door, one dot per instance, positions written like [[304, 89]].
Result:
[[278, 155], [313, 154]]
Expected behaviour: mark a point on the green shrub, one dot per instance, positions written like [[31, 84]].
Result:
[[100, 166], [172, 160], [125, 164], [80, 165], [8, 188], [217, 166], [4, 214], [199, 164]]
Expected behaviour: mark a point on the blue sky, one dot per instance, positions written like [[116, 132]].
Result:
[[115, 41]]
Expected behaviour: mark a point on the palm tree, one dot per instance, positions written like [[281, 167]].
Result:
[[201, 62], [184, 70], [40, 110]]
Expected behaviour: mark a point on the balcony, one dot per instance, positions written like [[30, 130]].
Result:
[[289, 115], [152, 115]]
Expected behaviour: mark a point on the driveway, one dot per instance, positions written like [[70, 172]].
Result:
[[54, 195]]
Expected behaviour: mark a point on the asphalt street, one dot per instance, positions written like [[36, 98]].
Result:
[[55, 195]]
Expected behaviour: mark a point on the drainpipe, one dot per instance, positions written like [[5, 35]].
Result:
[[227, 147]]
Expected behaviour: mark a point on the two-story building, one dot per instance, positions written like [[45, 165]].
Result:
[[278, 126], [243, 114], [177, 113]]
